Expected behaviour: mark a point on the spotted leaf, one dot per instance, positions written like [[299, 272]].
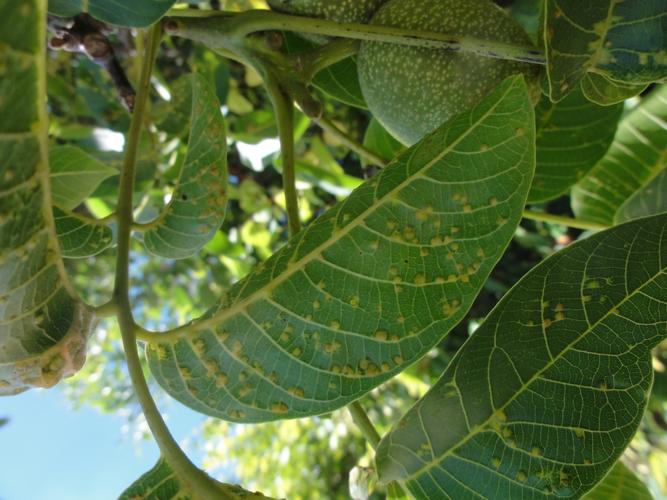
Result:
[[43, 327], [78, 237], [547, 393], [621, 40], [638, 153], [198, 204], [371, 285], [604, 92]]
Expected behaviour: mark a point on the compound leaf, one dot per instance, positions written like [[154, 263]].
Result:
[[651, 199], [637, 154], [162, 483], [198, 204], [623, 41], [371, 285], [547, 393], [604, 92], [74, 175], [79, 238], [572, 135], [137, 13], [620, 484], [43, 328]]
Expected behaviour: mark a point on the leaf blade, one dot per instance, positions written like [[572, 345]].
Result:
[[78, 238], [199, 201], [622, 484], [134, 13], [309, 315], [651, 199], [510, 434]]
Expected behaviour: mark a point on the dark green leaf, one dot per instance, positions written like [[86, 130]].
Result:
[[198, 204], [371, 285], [620, 484], [79, 238], [572, 135], [341, 82], [604, 92], [162, 483], [624, 41], [381, 142], [651, 199], [547, 393], [637, 154], [74, 175], [43, 327], [137, 13]]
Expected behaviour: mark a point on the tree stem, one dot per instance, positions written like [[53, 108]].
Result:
[[361, 420], [196, 479], [349, 142], [565, 221], [237, 26]]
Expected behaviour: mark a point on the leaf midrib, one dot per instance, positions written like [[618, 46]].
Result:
[[482, 427], [193, 328]]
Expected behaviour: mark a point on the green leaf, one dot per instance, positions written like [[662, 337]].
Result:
[[381, 142], [198, 204], [79, 238], [546, 394], [74, 175], [620, 484], [651, 199], [43, 328], [637, 154], [371, 285], [572, 136], [341, 82], [137, 13], [604, 92], [624, 41], [162, 483]]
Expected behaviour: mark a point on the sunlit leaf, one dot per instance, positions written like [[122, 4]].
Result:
[[651, 199], [121, 12], [162, 483], [546, 394], [74, 175], [572, 135], [198, 204], [620, 484], [604, 92], [371, 285], [43, 328], [78, 237], [637, 154], [623, 41], [381, 142]]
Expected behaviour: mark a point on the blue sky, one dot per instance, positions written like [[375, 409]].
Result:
[[49, 451]]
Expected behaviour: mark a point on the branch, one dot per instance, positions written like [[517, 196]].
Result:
[[197, 479]]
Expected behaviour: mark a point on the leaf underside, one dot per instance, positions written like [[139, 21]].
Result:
[[162, 483], [638, 153], [621, 40], [620, 484], [43, 329], [547, 393], [371, 285], [649, 200], [198, 204], [604, 92], [136, 13], [572, 135], [78, 238]]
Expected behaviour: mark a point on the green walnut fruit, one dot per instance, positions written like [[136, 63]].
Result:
[[413, 90], [342, 11]]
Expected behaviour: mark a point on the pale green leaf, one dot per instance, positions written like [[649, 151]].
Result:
[[637, 154], [79, 238], [550, 389], [199, 201], [623, 41], [43, 328], [620, 484], [604, 92], [341, 82], [651, 199], [371, 285], [381, 142], [572, 135], [74, 175], [137, 13], [162, 483]]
